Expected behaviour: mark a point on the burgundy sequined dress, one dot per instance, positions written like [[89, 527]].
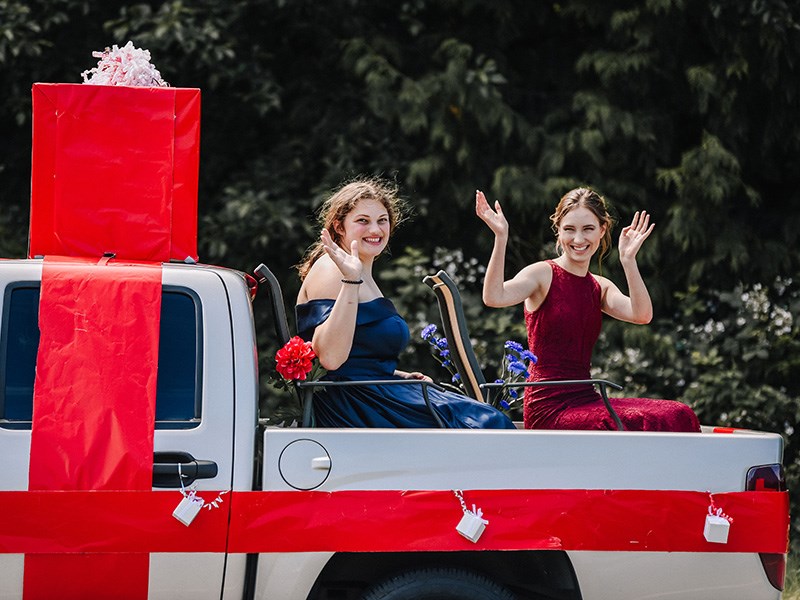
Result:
[[562, 334]]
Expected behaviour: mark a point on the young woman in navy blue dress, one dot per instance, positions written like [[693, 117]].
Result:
[[356, 332]]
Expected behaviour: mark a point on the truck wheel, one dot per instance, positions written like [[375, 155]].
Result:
[[438, 584]]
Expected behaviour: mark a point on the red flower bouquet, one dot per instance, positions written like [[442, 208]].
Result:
[[295, 360]]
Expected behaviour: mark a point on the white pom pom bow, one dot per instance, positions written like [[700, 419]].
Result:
[[128, 66]]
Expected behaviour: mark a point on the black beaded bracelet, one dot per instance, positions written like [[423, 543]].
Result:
[[353, 282]]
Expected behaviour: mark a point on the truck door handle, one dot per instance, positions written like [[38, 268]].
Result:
[[165, 469]]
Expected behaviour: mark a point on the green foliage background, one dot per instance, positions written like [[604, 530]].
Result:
[[683, 108]]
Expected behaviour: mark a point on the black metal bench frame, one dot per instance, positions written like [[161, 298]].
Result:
[[475, 385], [306, 388]]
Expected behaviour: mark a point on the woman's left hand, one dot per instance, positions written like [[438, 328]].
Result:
[[413, 375], [633, 236]]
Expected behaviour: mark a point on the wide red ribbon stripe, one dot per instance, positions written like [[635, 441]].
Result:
[[106, 521], [92, 427], [93, 412], [602, 520], [80, 577], [390, 520]]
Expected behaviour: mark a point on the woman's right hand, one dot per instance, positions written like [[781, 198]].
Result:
[[350, 264], [494, 218]]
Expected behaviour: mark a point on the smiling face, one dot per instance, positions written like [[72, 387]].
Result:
[[582, 218], [580, 234], [368, 223]]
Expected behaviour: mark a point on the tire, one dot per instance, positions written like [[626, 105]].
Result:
[[438, 584]]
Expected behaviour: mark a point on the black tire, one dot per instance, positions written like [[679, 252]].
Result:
[[438, 584]]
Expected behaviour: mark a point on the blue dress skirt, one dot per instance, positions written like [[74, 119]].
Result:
[[380, 335]]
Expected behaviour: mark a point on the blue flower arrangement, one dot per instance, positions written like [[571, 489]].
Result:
[[515, 364], [516, 361], [441, 352]]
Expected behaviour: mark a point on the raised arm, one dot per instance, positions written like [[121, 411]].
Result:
[[497, 292], [637, 307], [333, 339]]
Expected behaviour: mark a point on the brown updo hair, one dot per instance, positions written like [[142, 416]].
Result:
[[586, 198], [334, 210]]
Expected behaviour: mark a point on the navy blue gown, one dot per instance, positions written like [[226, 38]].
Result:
[[380, 336]]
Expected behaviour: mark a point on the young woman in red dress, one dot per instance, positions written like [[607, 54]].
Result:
[[563, 306]]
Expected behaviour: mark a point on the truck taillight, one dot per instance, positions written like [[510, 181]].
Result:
[[766, 478], [769, 478], [774, 567]]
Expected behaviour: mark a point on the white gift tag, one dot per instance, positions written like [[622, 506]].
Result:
[[188, 508], [716, 529], [471, 526]]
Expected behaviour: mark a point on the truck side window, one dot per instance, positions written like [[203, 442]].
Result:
[[20, 342], [178, 391], [178, 388]]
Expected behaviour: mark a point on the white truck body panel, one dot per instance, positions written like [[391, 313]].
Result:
[[374, 459], [671, 576], [457, 459], [283, 575]]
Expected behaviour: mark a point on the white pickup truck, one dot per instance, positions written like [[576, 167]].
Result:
[[321, 514]]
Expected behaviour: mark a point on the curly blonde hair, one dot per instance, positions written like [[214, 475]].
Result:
[[334, 210]]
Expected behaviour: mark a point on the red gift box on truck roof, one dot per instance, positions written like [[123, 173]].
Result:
[[115, 170]]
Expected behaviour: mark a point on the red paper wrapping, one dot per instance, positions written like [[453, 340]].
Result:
[[95, 388], [50, 523], [598, 520], [93, 409], [86, 576], [114, 169], [390, 521]]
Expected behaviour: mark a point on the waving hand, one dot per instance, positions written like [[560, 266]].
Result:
[[349, 264], [633, 236], [494, 218]]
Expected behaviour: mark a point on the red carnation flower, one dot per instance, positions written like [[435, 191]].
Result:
[[295, 359]]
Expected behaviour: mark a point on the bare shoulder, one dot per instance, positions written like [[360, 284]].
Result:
[[538, 274], [605, 285], [538, 277], [322, 281], [604, 282]]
